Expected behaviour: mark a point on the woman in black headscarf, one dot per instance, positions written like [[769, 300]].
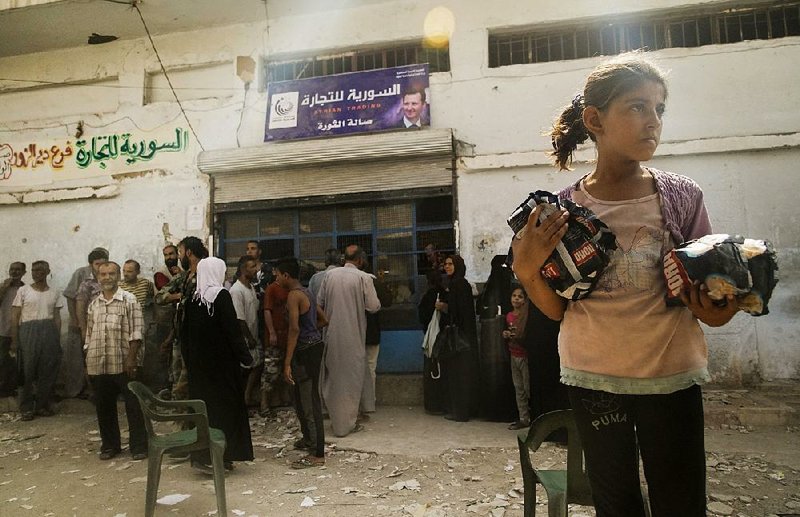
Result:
[[460, 369]]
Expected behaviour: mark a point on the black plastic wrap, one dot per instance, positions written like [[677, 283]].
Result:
[[727, 264], [575, 266]]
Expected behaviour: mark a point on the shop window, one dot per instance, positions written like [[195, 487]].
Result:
[[241, 227], [354, 219], [318, 220], [394, 234]]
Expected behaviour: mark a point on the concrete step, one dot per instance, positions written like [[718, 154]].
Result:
[[398, 389], [770, 405]]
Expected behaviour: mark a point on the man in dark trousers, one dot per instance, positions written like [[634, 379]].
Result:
[[304, 349], [8, 365], [114, 340]]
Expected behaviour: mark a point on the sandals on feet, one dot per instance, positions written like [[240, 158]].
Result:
[[308, 462]]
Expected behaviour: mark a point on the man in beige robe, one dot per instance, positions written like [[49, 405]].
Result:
[[345, 294]]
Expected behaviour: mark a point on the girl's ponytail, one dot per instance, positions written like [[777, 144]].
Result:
[[568, 132]]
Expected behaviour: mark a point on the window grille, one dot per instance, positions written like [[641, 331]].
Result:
[[438, 60], [394, 235], [608, 37]]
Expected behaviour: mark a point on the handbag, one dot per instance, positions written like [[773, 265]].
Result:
[[449, 342]]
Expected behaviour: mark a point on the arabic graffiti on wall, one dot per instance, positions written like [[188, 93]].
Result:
[[32, 156], [97, 152], [100, 149]]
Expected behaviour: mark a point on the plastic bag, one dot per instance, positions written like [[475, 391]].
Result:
[[727, 264], [575, 266]]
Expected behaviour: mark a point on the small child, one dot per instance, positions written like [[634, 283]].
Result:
[[515, 329]]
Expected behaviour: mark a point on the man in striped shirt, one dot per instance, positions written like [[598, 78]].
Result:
[[113, 341], [154, 371], [141, 288]]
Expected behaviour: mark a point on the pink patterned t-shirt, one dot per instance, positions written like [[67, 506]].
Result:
[[623, 338]]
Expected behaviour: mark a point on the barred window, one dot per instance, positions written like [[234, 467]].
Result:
[[605, 37], [394, 234], [438, 60]]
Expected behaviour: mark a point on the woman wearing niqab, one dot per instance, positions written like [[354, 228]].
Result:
[[213, 350]]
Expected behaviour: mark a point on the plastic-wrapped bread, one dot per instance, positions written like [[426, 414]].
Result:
[[575, 266], [727, 264]]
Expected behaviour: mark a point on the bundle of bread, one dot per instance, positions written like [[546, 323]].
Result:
[[574, 267], [726, 264]]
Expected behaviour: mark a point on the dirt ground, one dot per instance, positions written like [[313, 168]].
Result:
[[404, 463]]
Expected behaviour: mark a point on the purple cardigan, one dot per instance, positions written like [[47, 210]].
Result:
[[682, 206]]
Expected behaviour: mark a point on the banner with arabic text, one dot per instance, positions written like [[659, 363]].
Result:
[[375, 100]]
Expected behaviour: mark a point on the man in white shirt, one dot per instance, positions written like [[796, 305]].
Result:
[[36, 335], [245, 302]]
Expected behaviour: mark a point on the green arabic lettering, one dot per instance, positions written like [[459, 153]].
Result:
[[83, 157]]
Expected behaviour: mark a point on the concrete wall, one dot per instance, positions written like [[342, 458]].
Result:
[[731, 124]]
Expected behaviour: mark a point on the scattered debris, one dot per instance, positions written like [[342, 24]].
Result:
[[173, 499], [410, 484], [301, 490], [396, 472], [719, 508], [480, 481]]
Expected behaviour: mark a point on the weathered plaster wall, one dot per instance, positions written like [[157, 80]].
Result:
[[130, 225], [137, 203], [731, 124]]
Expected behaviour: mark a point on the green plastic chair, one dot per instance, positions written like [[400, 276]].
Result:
[[563, 487], [199, 438]]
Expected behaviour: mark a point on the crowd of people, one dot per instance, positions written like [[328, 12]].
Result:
[[258, 340], [630, 366]]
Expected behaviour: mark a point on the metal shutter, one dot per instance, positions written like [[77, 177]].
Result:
[[364, 163]]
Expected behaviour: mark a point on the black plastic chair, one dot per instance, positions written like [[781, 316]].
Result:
[[199, 438]]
